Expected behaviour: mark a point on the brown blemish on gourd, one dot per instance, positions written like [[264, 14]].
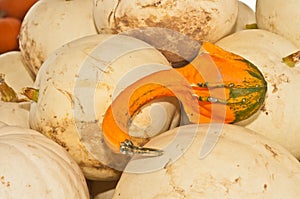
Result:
[[171, 174], [32, 56], [274, 154], [57, 131], [53, 132], [275, 89], [237, 180], [190, 24], [4, 182], [264, 109], [265, 187], [154, 5]]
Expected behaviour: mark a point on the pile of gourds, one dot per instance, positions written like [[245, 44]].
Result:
[[151, 99]]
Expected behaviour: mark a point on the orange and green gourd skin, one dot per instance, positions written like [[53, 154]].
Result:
[[217, 86]]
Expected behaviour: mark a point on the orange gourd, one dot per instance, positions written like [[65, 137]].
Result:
[[217, 86], [16, 8], [9, 31]]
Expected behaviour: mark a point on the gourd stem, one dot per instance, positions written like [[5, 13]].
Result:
[[7, 93], [292, 59], [251, 26], [128, 148], [31, 93]]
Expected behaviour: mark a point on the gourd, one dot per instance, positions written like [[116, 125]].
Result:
[[17, 75], [77, 84], [50, 24], [9, 30], [242, 164], [280, 17], [33, 166], [200, 20], [14, 75], [215, 87], [245, 18], [278, 118]]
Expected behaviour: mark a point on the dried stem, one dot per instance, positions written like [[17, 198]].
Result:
[[251, 26], [7, 93], [31, 93], [292, 59]]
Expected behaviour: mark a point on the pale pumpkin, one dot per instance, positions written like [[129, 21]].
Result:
[[200, 20], [33, 166], [50, 24], [278, 118], [16, 76], [281, 17], [245, 18], [77, 84], [242, 164]]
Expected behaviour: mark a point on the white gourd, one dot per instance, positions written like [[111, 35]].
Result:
[[17, 76], [77, 84], [280, 17], [200, 20], [278, 118], [33, 166], [51, 23], [242, 164]]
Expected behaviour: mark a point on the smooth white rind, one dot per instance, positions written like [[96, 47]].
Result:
[[280, 17], [51, 23], [243, 164], [33, 166]]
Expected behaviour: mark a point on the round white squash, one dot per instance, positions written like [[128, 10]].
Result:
[[246, 16], [278, 119], [281, 17], [33, 166], [50, 24], [243, 164], [200, 20], [17, 76], [76, 85]]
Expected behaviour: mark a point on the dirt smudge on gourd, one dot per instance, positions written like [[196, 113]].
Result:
[[169, 171], [191, 24], [4, 181], [271, 150]]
